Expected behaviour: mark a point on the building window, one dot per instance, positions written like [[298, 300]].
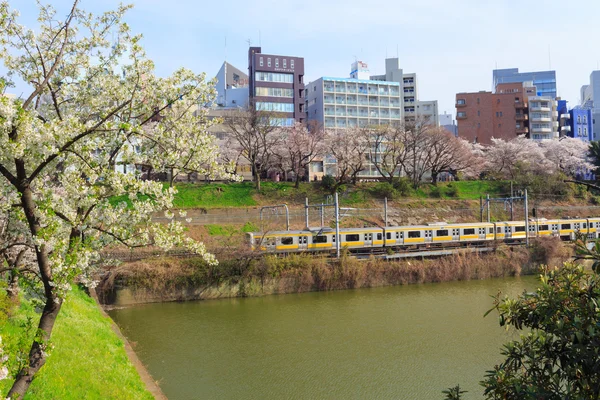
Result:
[[284, 63], [274, 92], [585, 131], [584, 119], [461, 114], [500, 113], [269, 62], [459, 101], [277, 63], [272, 106], [478, 100], [478, 113], [479, 124], [498, 101], [261, 62], [579, 119], [499, 125], [292, 63], [579, 131], [274, 77]]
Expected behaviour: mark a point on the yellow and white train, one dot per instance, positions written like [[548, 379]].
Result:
[[430, 236]]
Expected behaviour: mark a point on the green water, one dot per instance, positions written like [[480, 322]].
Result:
[[407, 342]]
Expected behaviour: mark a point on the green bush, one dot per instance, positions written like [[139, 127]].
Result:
[[436, 192], [452, 190], [384, 189], [328, 182], [402, 186], [595, 200]]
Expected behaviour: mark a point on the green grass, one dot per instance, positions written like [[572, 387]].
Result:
[[233, 195], [88, 360]]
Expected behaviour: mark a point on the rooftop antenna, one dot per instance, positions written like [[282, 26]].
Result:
[[249, 41]]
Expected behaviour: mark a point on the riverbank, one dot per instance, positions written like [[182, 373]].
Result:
[[162, 280], [88, 359]]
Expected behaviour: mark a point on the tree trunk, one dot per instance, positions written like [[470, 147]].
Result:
[[13, 286], [434, 178], [37, 354], [258, 182], [297, 184]]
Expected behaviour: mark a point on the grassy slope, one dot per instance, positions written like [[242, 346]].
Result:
[[244, 195], [88, 361]]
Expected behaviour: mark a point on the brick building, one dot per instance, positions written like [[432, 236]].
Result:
[[483, 115]]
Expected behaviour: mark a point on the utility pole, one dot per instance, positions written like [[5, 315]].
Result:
[[306, 212], [322, 217], [337, 225], [385, 211], [480, 208], [512, 217], [526, 220], [487, 201]]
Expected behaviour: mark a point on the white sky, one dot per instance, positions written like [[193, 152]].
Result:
[[453, 46]]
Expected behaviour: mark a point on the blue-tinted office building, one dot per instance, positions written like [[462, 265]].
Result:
[[544, 81]]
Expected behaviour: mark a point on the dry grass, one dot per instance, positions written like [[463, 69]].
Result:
[[241, 273]]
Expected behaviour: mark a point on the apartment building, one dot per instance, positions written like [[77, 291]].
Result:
[[543, 118], [349, 103], [481, 116], [276, 84]]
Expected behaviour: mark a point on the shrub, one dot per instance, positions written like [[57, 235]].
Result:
[[452, 190], [436, 191], [595, 200], [328, 182], [384, 189], [402, 186]]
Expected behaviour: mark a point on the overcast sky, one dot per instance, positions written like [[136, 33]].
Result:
[[453, 46]]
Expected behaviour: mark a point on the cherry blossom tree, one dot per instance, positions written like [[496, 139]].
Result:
[[388, 150], [569, 155], [95, 105], [256, 134], [349, 149], [299, 147], [503, 156], [446, 153]]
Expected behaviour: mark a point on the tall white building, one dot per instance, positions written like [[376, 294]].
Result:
[[590, 100], [543, 118]]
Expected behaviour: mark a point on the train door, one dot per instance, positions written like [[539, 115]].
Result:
[[302, 242], [481, 232], [270, 243], [455, 234], [428, 236], [368, 239], [507, 232], [555, 231], [399, 237], [532, 230]]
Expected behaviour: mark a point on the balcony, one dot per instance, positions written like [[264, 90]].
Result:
[[541, 130], [520, 104], [565, 128], [538, 107], [521, 117], [459, 105], [461, 116], [565, 116], [541, 118], [522, 131]]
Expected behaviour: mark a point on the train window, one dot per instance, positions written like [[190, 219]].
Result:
[[491, 230], [519, 229], [543, 227], [399, 235], [287, 240], [469, 231], [455, 232], [441, 232], [352, 238], [414, 234], [584, 225], [576, 225], [270, 241], [388, 235], [531, 228], [565, 226], [499, 229], [368, 236], [481, 231], [320, 239], [333, 238], [379, 236], [597, 224]]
